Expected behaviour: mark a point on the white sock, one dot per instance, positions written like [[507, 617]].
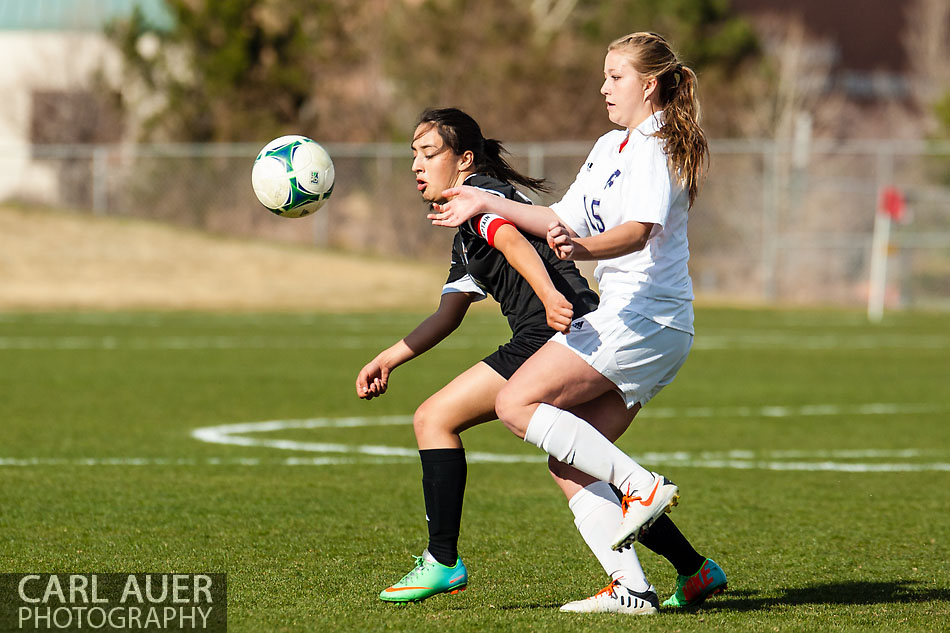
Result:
[[571, 440], [596, 515]]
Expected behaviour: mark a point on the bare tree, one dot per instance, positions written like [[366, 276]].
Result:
[[549, 16], [926, 39], [799, 77]]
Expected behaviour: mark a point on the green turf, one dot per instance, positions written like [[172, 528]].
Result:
[[99, 472]]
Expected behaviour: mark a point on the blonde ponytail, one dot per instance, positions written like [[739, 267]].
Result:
[[684, 141]]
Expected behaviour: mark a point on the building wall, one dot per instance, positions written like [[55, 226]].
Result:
[[865, 36], [50, 61]]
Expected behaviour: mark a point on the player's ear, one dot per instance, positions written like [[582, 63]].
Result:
[[466, 160], [649, 87]]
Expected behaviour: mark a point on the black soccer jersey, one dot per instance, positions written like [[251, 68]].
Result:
[[480, 268]]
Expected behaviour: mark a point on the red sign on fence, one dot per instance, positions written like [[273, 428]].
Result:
[[892, 203]]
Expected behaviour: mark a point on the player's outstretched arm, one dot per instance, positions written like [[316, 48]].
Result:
[[521, 255], [373, 379], [466, 202], [626, 238]]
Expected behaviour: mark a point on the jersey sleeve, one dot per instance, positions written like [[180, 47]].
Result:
[[486, 224], [459, 279], [570, 208], [648, 188]]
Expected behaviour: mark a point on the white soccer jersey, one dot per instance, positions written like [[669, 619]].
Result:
[[628, 179]]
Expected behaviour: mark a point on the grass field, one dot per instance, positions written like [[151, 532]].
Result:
[[812, 451]]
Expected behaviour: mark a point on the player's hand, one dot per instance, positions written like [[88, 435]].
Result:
[[461, 204], [559, 312], [372, 380], [559, 239]]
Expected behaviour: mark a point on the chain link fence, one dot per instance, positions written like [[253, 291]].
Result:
[[774, 223]]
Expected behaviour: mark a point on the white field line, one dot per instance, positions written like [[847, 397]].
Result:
[[808, 410], [886, 467], [243, 434], [159, 461], [707, 342], [238, 434], [189, 343], [787, 340]]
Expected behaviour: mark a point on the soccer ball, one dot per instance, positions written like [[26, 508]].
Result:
[[292, 176]]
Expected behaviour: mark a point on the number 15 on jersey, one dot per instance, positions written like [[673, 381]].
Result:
[[594, 221]]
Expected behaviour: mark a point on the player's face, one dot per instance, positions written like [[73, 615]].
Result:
[[435, 165], [627, 93]]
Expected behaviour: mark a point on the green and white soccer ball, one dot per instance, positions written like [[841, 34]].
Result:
[[293, 176]]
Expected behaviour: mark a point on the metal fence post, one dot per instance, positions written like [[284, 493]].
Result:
[[536, 160], [100, 179], [880, 241], [769, 221]]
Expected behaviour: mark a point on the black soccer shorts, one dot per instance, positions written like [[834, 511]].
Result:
[[509, 357]]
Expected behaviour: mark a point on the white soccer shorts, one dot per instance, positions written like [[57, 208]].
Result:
[[638, 355]]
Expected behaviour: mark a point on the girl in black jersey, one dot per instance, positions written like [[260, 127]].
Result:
[[537, 292]]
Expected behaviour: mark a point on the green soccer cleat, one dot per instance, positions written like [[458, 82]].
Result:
[[428, 578], [692, 590]]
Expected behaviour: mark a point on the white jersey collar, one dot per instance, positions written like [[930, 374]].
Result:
[[651, 124]]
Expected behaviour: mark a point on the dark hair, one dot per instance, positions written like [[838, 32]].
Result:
[[461, 134]]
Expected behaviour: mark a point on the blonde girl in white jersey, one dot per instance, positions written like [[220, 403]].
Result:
[[628, 210]]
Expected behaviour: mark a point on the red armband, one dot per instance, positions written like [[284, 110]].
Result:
[[486, 224]]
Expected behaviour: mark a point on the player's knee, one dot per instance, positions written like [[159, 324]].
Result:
[[424, 419], [510, 410], [433, 421]]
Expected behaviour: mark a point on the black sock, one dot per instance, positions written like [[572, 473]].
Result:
[[443, 486], [665, 539]]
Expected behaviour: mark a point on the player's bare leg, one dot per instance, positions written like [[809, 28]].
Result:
[[466, 401], [597, 512], [595, 504], [535, 405]]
